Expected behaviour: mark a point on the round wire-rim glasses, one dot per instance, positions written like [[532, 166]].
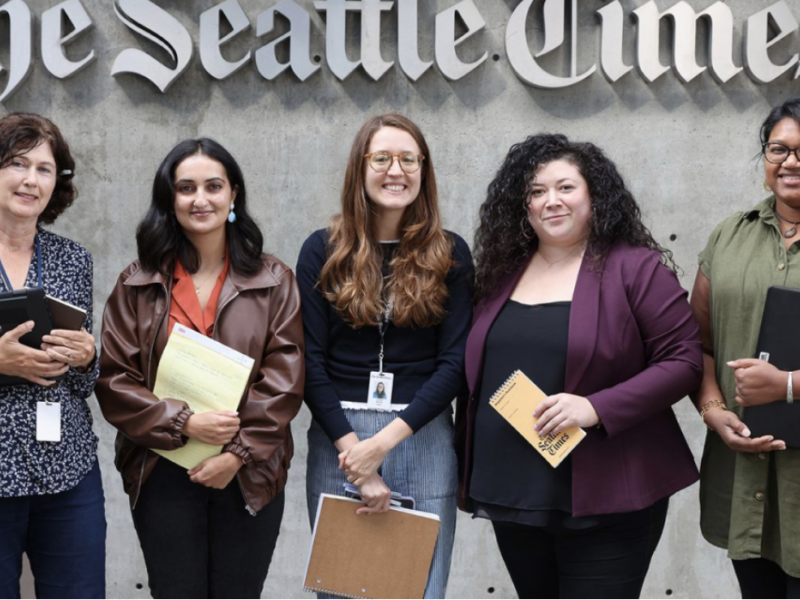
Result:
[[382, 160], [777, 154]]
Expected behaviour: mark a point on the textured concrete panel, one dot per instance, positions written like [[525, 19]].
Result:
[[686, 150]]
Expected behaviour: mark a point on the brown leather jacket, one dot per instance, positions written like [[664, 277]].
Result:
[[258, 316]]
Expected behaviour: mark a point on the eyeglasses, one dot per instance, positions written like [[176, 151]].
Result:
[[382, 161], [777, 153]]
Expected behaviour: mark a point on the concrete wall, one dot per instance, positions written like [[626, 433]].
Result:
[[686, 150]]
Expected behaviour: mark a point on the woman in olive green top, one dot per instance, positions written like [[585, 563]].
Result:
[[750, 488]]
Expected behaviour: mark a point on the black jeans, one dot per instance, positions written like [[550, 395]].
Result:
[[608, 560], [200, 542], [762, 578]]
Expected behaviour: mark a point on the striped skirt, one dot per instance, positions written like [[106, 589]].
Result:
[[422, 466]]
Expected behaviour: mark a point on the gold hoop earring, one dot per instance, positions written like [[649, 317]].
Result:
[[766, 187], [527, 230]]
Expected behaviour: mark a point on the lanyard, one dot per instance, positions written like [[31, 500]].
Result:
[[38, 252], [383, 326]]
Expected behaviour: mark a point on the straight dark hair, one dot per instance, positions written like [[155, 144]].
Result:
[[160, 239], [788, 110]]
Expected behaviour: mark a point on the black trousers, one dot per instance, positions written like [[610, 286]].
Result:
[[762, 578], [203, 543], [608, 560]]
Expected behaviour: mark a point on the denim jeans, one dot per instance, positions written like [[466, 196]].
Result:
[[64, 536], [422, 466]]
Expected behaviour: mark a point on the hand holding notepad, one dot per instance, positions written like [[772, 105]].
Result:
[[516, 400], [205, 374]]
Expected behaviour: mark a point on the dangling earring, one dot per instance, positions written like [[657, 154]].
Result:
[[232, 215], [766, 187]]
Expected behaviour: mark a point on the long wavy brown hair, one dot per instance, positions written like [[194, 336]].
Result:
[[352, 279]]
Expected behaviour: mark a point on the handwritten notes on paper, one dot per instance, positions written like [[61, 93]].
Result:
[[208, 376]]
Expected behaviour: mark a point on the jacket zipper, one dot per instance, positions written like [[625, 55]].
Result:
[[149, 375], [247, 506]]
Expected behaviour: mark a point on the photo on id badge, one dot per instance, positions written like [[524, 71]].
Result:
[[379, 395]]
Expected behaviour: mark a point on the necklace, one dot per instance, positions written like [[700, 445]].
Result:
[[198, 286], [562, 259], [792, 231]]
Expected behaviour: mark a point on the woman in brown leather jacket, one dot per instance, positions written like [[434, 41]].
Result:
[[201, 265]]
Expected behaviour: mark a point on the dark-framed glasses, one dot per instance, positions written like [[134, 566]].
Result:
[[777, 153], [381, 161]]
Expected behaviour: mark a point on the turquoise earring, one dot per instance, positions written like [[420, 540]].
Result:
[[232, 215]]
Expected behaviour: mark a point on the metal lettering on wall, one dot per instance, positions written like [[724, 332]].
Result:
[[761, 31]]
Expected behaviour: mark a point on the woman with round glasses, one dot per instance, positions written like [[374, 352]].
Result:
[[386, 306], [750, 486]]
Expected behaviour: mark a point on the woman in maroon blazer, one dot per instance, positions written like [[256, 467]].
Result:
[[573, 290]]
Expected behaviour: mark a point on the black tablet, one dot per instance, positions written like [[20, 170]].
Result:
[[778, 344], [17, 307]]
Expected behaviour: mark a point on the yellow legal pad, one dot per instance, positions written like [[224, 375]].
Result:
[[516, 400], [208, 376]]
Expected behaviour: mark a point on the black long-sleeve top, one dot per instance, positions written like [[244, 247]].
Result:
[[427, 363]]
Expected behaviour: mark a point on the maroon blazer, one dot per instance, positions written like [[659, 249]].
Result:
[[633, 350]]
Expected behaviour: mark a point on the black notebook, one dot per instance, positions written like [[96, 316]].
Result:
[[778, 345], [17, 307]]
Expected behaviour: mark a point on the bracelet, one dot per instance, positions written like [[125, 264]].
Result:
[[712, 404], [789, 390]]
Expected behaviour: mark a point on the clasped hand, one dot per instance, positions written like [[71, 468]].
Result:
[[562, 411], [736, 435], [375, 494], [214, 427], [362, 460], [55, 358], [758, 382], [73, 348], [216, 472]]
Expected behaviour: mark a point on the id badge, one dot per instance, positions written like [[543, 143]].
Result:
[[48, 421], [379, 396]]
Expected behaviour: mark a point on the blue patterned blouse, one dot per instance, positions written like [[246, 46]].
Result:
[[28, 467]]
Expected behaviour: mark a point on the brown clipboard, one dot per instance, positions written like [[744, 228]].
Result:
[[385, 555]]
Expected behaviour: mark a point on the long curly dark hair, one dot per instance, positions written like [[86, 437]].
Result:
[[505, 239]]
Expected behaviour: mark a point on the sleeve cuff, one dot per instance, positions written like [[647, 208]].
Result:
[[335, 425], [90, 367], [240, 451], [415, 418], [178, 439]]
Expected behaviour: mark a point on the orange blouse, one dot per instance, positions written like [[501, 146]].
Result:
[[185, 306]]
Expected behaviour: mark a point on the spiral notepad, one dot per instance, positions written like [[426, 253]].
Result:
[[385, 555], [516, 400]]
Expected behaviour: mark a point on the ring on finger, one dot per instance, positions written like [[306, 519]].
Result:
[[71, 355]]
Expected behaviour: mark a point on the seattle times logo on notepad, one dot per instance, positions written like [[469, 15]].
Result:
[[516, 400]]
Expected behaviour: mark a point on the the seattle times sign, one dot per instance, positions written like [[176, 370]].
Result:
[[63, 23]]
